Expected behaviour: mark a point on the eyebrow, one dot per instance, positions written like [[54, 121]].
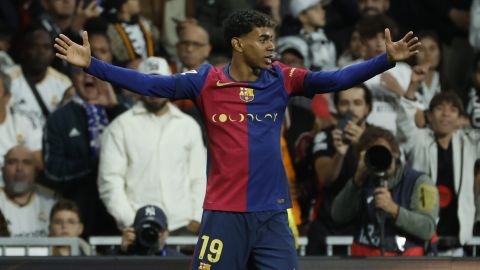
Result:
[[265, 36]]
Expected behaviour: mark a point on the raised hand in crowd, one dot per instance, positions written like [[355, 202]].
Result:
[[418, 75], [73, 53], [349, 136], [106, 96], [84, 13]]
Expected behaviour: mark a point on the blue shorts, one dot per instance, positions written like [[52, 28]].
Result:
[[240, 241]]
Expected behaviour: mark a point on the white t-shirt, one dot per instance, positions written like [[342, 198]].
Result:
[[385, 102], [30, 220], [51, 89], [17, 129]]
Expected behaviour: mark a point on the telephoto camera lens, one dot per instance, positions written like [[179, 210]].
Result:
[[378, 159], [147, 235]]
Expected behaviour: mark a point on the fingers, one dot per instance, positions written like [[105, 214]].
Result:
[[412, 41], [388, 37], [85, 39], [408, 36], [66, 40], [61, 56], [60, 49], [61, 43]]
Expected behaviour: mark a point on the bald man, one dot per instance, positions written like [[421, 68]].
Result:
[[193, 47], [25, 207]]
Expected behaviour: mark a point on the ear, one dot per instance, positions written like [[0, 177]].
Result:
[[80, 229], [237, 44], [302, 17]]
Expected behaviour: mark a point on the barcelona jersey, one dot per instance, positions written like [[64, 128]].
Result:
[[243, 122]]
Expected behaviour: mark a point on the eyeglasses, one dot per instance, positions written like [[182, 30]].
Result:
[[65, 223], [194, 44]]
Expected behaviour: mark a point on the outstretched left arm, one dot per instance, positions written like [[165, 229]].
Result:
[[323, 82]]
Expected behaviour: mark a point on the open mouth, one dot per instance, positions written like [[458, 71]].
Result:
[[269, 59]]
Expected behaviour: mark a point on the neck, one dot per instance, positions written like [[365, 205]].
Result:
[[32, 75], [162, 111], [23, 199], [240, 71], [444, 140], [309, 29], [429, 77]]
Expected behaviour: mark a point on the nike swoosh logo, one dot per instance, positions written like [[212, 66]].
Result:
[[220, 84]]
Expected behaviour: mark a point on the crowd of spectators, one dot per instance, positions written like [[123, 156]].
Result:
[[80, 157]]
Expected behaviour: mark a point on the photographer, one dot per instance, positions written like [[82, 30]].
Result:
[[388, 196], [335, 162], [148, 234]]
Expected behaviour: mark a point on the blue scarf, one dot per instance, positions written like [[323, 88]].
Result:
[[97, 122]]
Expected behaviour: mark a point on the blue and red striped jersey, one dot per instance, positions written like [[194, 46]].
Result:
[[243, 122]]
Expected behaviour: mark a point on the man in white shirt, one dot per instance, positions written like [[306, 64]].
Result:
[[163, 165], [15, 128], [26, 207], [35, 72]]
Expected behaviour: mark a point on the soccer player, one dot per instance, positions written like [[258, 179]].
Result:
[[244, 224]]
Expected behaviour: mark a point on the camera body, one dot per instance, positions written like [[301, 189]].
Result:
[[150, 221], [146, 237]]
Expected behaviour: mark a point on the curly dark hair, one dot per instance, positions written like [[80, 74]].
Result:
[[242, 22], [370, 26], [371, 135]]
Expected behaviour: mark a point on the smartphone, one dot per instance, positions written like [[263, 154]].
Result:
[[342, 122]]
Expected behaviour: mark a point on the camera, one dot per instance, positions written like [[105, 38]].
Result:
[[146, 235], [378, 159], [343, 120], [150, 221]]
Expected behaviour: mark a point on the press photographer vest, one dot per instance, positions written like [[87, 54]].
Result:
[[397, 241]]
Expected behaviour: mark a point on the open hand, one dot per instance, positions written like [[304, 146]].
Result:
[[402, 49], [73, 53]]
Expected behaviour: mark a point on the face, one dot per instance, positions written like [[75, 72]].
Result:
[[314, 16], [101, 48], [85, 85], [4, 45], [292, 59], [257, 47], [429, 53], [61, 8], [131, 7], [353, 100], [356, 47], [375, 45], [65, 223], [18, 171], [39, 51], [444, 118], [154, 104], [373, 7], [193, 46]]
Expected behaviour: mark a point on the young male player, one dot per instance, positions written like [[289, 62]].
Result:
[[244, 224]]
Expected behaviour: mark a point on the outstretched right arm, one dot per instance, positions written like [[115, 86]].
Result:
[[143, 84]]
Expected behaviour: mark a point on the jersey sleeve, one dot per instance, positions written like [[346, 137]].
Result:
[[342, 79], [293, 78], [323, 144], [181, 86]]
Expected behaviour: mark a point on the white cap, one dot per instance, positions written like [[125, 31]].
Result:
[[297, 6], [155, 65], [294, 43]]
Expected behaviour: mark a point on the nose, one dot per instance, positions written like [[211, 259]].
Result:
[[271, 46]]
